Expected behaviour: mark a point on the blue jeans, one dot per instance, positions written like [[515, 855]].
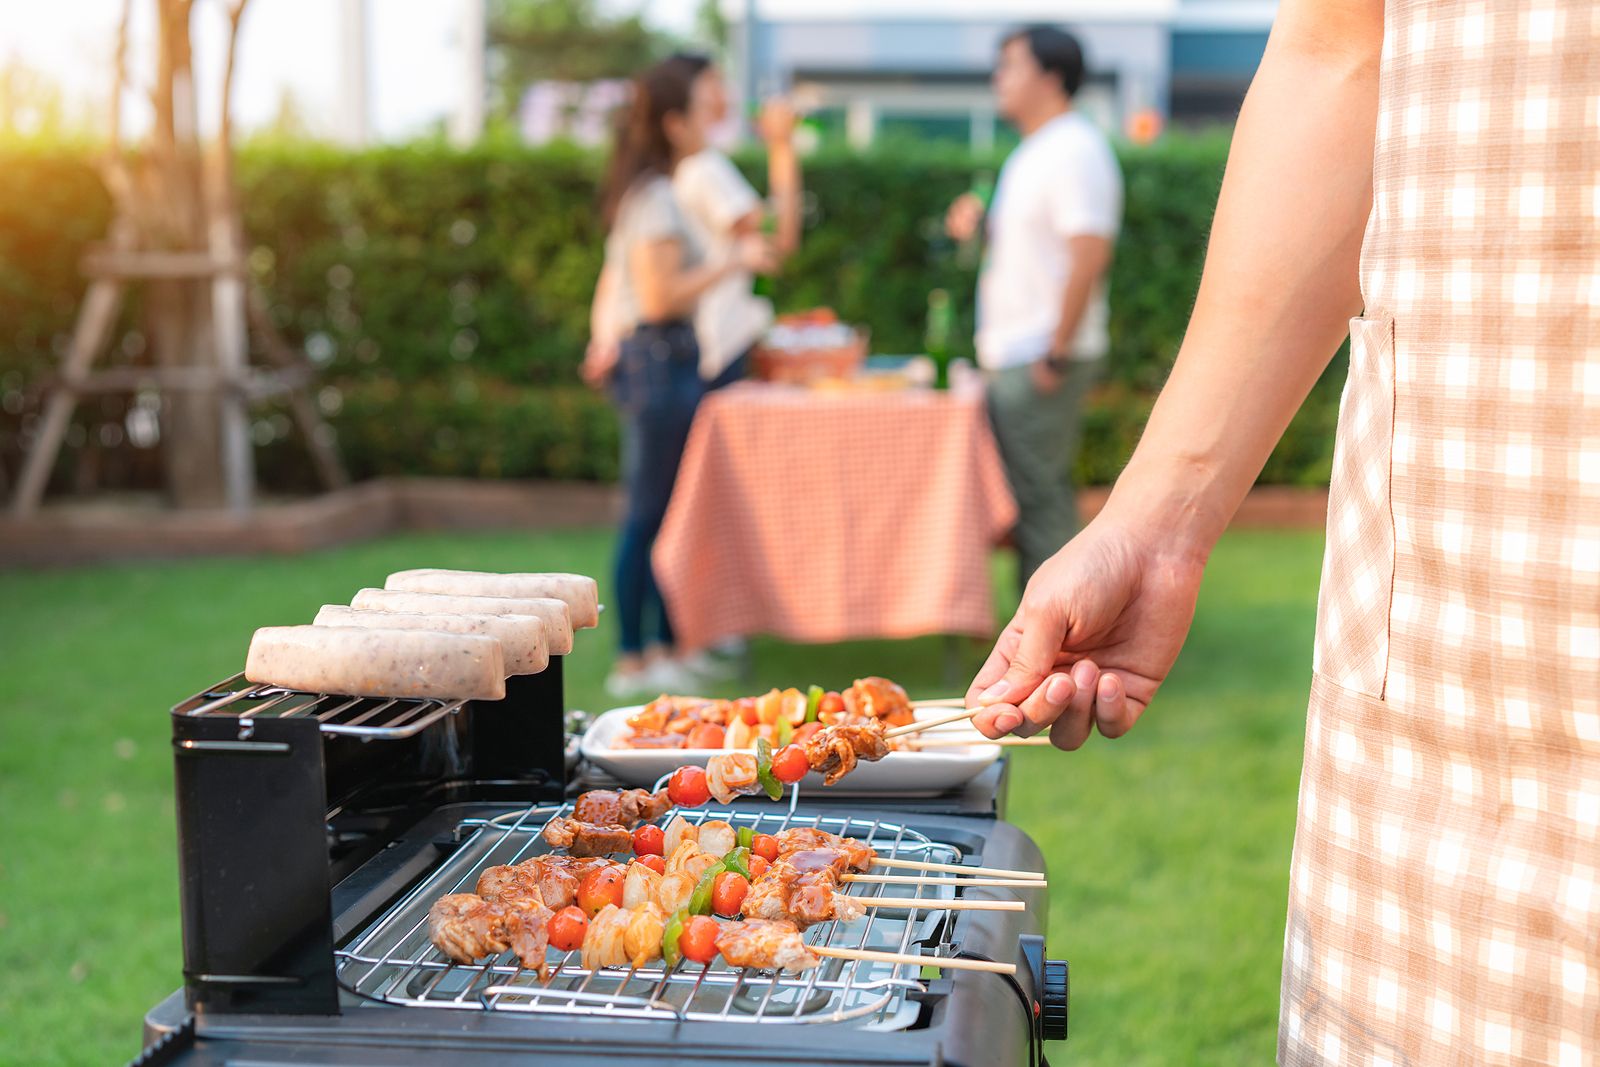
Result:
[[657, 387], [737, 371]]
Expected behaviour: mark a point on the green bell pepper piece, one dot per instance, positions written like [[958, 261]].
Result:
[[700, 899], [670, 953], [764, 775], [813, 703], [784, 731], [738, 861], [747, 837]]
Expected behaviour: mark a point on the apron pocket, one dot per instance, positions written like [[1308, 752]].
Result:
[[1352, 645]]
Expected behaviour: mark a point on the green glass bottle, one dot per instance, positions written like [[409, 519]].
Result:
[[763, 286], [936, 337]]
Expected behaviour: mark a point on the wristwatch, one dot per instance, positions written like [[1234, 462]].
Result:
[[1057, 361]]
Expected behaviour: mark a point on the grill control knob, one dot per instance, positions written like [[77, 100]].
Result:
[[1053, 1001]]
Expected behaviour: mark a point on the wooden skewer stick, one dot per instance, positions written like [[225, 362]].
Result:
[[940, 741], [940, 702], [938, 904], [906, 879], [954, 868], [928, 724], [945, 962]]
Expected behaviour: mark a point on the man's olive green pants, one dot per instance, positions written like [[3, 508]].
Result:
[[1038, 435]]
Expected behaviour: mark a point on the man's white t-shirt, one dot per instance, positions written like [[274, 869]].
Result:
[[1062, 181], [713, 195]]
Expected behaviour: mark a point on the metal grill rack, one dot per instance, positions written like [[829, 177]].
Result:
[[394, 962], [369, 718]]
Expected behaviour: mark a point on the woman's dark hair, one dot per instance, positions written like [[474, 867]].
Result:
[[641, 146], [1056, 51]]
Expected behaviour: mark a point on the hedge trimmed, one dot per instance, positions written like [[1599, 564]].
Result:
[[446, 293]]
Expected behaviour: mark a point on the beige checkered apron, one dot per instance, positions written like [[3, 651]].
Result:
[[1444, 900]]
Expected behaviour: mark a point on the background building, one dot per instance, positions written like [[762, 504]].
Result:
[[882, 68]]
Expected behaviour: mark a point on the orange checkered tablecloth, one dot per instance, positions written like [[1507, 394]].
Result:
[[829, 516]]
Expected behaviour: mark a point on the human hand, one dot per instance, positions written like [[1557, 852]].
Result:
[[1046, 378], [961, 222], [776, 122], [1100, 625], [756, 254], [599, 360]]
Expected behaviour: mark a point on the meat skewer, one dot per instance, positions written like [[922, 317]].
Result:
[[602, 819]]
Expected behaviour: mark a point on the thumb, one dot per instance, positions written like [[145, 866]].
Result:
[[1042, 632]]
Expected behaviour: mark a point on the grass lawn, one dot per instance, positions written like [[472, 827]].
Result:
[[1169, 849]]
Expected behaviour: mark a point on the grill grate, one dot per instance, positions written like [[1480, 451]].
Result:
[[395, 963], [371, 718]]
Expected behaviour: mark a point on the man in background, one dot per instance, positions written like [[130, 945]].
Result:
[[1041, 330]]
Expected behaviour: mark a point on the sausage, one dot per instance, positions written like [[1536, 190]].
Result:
[[580, 592], [557, 620], [521, 637], [378, 663]]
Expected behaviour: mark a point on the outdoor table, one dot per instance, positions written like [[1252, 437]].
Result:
[[821, 516]]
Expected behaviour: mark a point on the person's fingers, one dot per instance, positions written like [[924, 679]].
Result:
[[994, 668], [1038, 641], [1085, 675], [1114, 712], [1072, 728], [1045, 704], [997, 720]]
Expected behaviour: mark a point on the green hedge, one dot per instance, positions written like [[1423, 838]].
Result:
[[446, 293]]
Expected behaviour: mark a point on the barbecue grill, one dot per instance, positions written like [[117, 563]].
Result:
[[316, 830]]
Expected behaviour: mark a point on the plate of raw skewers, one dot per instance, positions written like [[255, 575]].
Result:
[[870, 731]]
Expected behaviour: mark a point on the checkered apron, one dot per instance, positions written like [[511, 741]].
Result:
[[1444, 902]]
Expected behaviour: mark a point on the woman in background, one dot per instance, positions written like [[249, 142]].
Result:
[[656, 271], [722, 208]]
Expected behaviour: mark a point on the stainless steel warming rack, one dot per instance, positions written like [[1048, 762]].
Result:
[[370, 718], [395, 963]]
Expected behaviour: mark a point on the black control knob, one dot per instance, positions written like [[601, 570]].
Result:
[[1053, 1001]]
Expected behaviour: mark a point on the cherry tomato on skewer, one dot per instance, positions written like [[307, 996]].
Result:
[[699, 939], [765, 846], [789, 763], [649, 840], [653, 861], [687, 787], [728, 893], [758, 867], [567, 928], [601, 887]]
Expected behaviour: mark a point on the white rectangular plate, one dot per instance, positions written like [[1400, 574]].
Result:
[[899, 772]]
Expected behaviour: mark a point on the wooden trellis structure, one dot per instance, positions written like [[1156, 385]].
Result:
[[177, 232]]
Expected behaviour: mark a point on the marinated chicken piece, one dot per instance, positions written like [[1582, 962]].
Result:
[[652, 718], [557, 876], [732, 774], [833, 750], [802, 894], [642, 938], [465, 927], [517, 890], [515, 887], [604, 944], [620, 807], [856, 855], [586, 839], [878, 698], [767, 945]]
